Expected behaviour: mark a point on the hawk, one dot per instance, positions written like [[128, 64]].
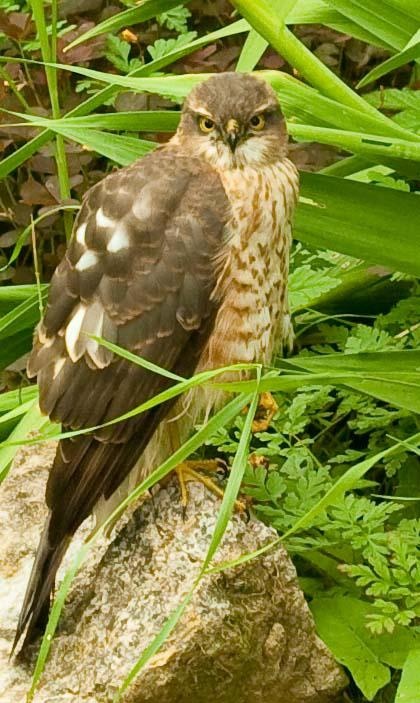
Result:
[[181, 258]]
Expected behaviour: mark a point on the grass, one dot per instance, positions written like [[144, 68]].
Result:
[[347, 435]]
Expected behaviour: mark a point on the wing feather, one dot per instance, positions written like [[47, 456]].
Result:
[[140, 271]]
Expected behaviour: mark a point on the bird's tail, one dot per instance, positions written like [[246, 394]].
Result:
[[36, 604]]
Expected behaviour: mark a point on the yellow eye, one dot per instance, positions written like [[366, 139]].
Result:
[[257, 122], [206, 124]]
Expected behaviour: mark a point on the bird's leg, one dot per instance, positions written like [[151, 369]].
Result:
[[266, 410], [193, 471]]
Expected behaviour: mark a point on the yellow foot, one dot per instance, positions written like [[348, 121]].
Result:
[[192, 471], [266, 410]]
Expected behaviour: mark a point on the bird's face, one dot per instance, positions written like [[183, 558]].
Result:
[[233, 120]]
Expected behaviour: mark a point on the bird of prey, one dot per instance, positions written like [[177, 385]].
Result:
[[181, 258]]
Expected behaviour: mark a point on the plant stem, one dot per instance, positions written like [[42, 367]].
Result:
[[13, 87], [49, 55]]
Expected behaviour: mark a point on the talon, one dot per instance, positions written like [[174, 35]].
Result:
[[187, 472], [266, 410], [258, 460]]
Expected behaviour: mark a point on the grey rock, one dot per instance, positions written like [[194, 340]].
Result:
[[246, 636]]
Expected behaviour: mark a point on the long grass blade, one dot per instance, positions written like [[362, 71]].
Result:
[[409, 53], [32, 420], [49, 58], [365, 145], [252, 51]]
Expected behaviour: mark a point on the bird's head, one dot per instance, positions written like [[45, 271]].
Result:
[[233, 120]]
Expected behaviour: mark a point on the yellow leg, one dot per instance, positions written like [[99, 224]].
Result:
[[192, 471], [266, 410]]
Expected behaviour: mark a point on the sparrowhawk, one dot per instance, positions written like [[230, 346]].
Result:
[[181, 258]]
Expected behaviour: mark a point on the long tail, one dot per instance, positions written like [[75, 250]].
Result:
[[35, 608]]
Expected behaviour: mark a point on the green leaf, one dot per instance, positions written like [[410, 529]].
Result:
[[22, 317], [163, 47], [267, 19], [30, 422], [365, 221], [10, 296], [411, 51], [23, 153], [316, 11], [341, 624], [410, 7], [135, 15], [345, 483], [143, 121], [409, 687], [392, 25], [367, 145], [307, 284], [24, 235], [175, 19], [13, 399], [391, 376], [119, 148], [251, 52]]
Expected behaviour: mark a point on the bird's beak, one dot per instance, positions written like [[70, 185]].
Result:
[[232, 133]]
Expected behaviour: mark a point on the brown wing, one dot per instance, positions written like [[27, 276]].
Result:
[[139, 271]]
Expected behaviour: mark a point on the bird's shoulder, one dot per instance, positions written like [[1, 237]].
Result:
[[164, 175], [139, 271]]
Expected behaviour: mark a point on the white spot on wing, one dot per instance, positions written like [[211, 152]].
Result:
[[80, 234], [142, 207], [102, 220], [86, 261], [75, 350], [58, 365], [119, 240], [42, 336]]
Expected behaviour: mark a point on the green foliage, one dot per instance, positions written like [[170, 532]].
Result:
[[367, 542], [409, 688], [175, 19], [347, 400], [163, 47], [118, 53], [340, 620], [403, 103]]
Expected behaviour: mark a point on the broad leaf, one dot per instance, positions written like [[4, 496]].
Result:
[[365, 221], [409, 688], [341, 623]]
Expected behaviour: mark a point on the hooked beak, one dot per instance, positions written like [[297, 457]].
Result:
[[232, 134]]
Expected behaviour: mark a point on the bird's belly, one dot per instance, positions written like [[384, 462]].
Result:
[[253, 318]]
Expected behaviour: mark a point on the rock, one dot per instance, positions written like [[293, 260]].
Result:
[[246, 636]]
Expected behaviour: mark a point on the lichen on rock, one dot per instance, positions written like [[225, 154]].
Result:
[[246, 636]]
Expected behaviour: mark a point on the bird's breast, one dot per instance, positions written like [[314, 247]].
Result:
[[253, 313]]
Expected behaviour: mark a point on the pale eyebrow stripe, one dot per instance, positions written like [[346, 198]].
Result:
[[263, 107], [201, 110]]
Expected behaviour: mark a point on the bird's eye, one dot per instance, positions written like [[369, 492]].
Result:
[[206, 124], [257, 122]]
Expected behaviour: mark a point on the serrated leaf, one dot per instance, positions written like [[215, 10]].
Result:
[[175, 19], [307, 284], [163, 47]]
